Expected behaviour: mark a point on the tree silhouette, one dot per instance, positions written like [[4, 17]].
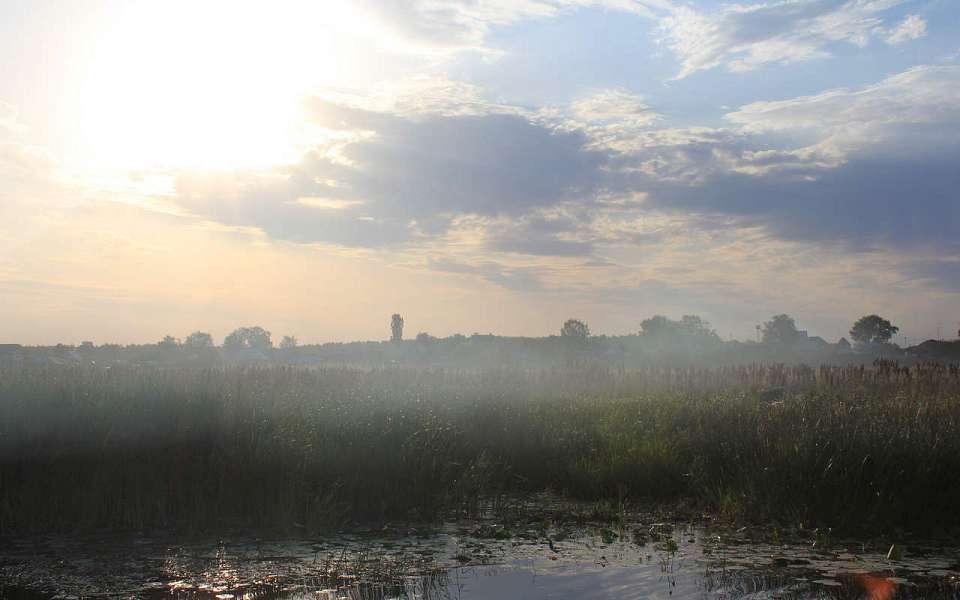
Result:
[[873, 329], [781, 329], [256, 338], [169, 341], [575, 329], [689, 326], [658, 326], [288, 342], [199, 339], [396, 328]]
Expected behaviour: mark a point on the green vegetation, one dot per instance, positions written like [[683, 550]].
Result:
[[305, 449]]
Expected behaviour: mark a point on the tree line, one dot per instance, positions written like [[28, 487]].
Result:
[[780, 330]]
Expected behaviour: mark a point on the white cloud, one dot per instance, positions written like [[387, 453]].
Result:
[[444, 25], [906, 115], [453, 24], [924, 94], [614, 106], [421, 95], [911, 28], [744, 37]]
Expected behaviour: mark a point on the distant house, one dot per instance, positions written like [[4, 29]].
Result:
[[936, 350], [807, 342]]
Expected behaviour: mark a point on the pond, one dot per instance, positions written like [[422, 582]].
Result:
[[641, 557]]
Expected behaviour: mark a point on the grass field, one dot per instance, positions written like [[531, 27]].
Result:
[[307, 449]]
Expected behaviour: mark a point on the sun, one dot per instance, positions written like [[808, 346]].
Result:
[[204, 84]]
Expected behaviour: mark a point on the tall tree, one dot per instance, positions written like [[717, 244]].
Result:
[[396, 328], [575, 329], [256, 338], [782, 330], [199, 339], [872, 329], [169, 341], [658, 326], [691, 327], [288, 342]]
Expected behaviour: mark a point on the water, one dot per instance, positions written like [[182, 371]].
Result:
[[481, 561]]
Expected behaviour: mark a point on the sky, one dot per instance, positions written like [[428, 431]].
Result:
[[476, 165]]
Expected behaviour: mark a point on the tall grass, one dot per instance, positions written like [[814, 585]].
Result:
[[132, 448]]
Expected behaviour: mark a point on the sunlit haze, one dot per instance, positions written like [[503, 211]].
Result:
[[314, 167]]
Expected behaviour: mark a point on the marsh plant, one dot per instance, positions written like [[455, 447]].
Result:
[[300, 449]]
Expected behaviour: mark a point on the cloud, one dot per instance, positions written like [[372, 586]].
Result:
[[487, 164], [453, 23], [882, 166], [440, 26], [942, 273], [744, 37], [614, 106], [903, 113], [920, 94], [416, 95], [538, 235], [482, 186], [274, 204], [911, 28], [400, 177], [878, 166], [866, 203], [521, 279]]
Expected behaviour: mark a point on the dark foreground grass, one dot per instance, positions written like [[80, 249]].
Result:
[[298, 449]]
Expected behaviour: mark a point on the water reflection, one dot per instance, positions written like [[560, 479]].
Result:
[[460, 562]]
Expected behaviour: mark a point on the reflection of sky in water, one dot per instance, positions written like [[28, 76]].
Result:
[[539, 581], [669, 563]]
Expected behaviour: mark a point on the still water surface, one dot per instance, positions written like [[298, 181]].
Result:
[[467, 561]]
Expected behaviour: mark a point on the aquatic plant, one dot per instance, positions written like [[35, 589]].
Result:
[[304, 449]]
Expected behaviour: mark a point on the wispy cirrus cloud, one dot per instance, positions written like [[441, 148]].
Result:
[[445, 25], [742, 37], [521, 279], [913, 27], [922, 94], [457, 24]]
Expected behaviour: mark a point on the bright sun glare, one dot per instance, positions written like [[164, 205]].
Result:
[[196, 85]]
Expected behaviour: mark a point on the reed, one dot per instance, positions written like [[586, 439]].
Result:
[[305, 449]]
